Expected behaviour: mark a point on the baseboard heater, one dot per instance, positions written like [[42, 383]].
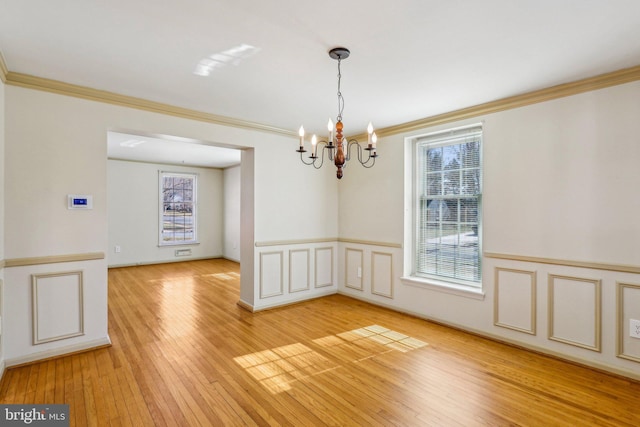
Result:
[[183, 252]]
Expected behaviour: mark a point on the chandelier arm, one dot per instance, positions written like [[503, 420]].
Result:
[[321, 156], [366, 165], [370, 157], [302, 158], [348, 150], [366, 161], [359, 152], [314, 160]]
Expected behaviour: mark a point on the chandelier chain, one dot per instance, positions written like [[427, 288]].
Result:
[[340, 97]]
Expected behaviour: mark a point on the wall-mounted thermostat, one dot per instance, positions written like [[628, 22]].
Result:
[[80, 201]]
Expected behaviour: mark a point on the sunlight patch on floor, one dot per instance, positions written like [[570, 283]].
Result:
[[384, 336], [220, 276], [278, 368]]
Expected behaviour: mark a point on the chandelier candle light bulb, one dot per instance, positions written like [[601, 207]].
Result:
[[340, 152], [301, 133], [314, 142]]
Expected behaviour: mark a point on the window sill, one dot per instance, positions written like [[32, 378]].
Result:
[[446, 287]]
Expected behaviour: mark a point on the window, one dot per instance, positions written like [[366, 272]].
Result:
[[447, 213], [178, 193]]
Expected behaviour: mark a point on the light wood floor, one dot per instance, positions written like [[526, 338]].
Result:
[[184, 353]]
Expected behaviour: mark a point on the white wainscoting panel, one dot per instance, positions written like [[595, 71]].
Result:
[[575, 311], [57, 306], [382, 274], [299, 270], [324, 267], [353, 265], [515, 300], [628, 308], [271, 277]]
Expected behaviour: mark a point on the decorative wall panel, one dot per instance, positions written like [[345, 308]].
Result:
[[324, 267], [574, 311], [57, 306], [299, 272], [515, 300], [382, 274], [628, 308], [271, 277], [353, 268]]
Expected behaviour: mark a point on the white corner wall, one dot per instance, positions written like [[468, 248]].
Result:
[[2, 162], [231, 228], [50, 152], [133, 214], [558, 184], [2, 182]]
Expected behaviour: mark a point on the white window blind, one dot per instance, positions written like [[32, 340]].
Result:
[[448, 198]]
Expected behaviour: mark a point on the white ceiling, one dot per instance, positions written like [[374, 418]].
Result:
[[169, 150], [410, 59]]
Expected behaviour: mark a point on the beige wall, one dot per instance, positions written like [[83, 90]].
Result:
[[133, 213]]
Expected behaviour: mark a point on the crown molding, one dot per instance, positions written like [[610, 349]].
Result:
[[3, 69], [62, 88], [601, 81]]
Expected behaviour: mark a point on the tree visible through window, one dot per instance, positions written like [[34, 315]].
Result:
[[448, 197], [178, 208]]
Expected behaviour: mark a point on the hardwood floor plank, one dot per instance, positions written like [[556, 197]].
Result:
[[58, 389], [184, 354], [15, 381], [78, 412]]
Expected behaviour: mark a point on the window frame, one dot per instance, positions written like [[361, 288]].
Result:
[[447, 137], [161, 208]]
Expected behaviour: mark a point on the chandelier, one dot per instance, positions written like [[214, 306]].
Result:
[[337, 147]]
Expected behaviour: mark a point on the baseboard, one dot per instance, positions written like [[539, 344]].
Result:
[[291, 302], [254, 309], [167, 261], [245, 305], [57, 352]]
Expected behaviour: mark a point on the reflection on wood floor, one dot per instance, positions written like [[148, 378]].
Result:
[[184, 354]]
